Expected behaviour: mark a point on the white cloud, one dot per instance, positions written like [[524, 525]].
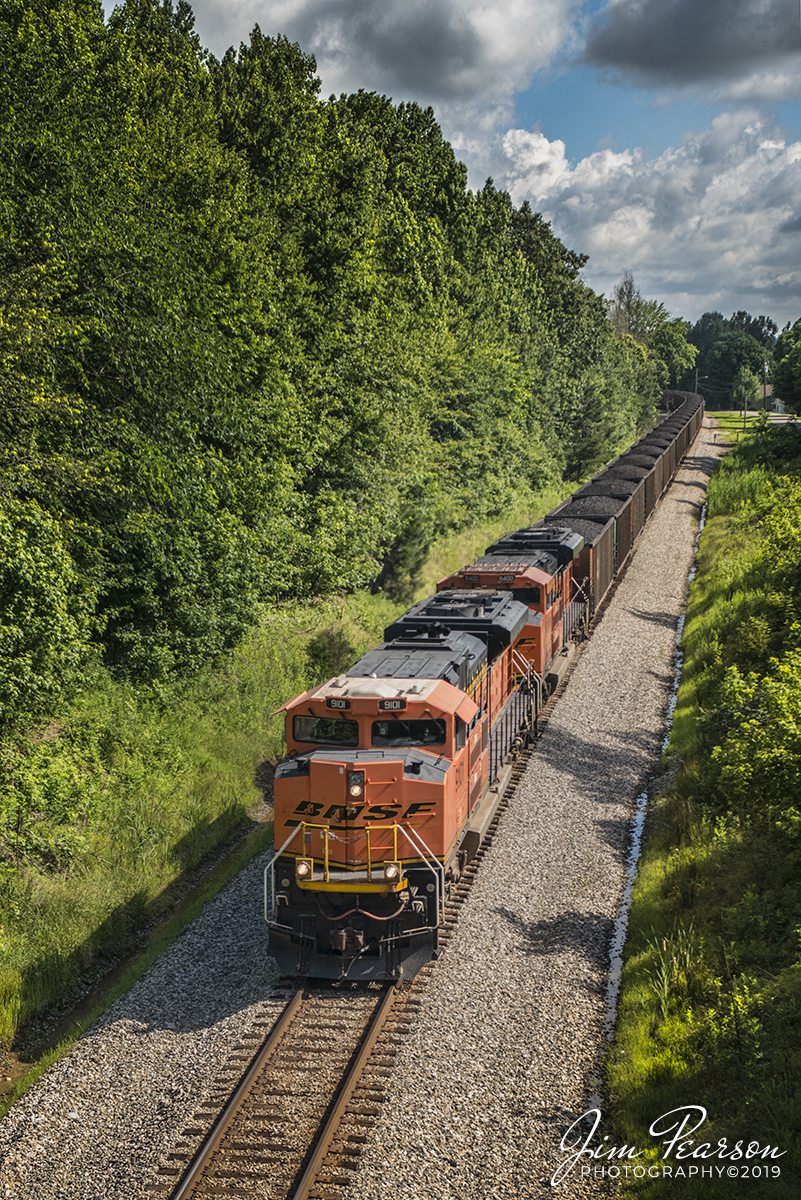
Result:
[[714, 222], [456, 51]]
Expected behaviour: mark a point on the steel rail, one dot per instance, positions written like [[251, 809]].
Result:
[[220, 1127], [352, 1080]]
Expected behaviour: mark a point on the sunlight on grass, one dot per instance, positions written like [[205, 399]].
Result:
[[710, 1004]]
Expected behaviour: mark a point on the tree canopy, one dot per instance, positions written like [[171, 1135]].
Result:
[[725, 348], [787, 371], [650, 324], [255, 344]]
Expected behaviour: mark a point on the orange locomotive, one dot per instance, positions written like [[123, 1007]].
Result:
[[537, 565], [384, 796]]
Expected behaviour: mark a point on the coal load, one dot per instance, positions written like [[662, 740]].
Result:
[[595, 507], [626, 470], [639, 460], [589, 530], [609, 486]]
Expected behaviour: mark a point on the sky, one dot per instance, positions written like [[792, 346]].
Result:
[[661, 137]]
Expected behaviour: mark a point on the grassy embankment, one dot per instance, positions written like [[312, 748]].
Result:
[[710, 1009], [125, 792]]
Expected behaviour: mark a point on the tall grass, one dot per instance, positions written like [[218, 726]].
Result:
[[710, 1005], [127, 791]]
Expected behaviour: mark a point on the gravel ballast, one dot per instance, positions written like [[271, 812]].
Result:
[[100, 1121], [508, 1049]]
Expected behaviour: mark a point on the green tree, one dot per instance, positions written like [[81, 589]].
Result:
[[787, 369], [745, 389], [763, 329], [732, 351], [649, 323], [45, 612]]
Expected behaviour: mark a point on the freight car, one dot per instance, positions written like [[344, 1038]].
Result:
[[395, 769]]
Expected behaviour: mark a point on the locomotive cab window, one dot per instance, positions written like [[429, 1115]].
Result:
[[461, 734], [530, 596], [409, 733], [326, 731]]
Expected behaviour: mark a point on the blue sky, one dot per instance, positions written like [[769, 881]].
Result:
[[590, 113], [661, 137]]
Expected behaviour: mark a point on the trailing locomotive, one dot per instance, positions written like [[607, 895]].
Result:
[[395, 769]]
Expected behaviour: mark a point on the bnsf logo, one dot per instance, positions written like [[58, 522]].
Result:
[[343, 812]]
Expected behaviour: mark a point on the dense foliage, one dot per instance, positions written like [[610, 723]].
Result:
[[735, 357], [787, 371], [254, 345], [650, 324]]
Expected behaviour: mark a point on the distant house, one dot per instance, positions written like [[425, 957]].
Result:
[[772, 403]]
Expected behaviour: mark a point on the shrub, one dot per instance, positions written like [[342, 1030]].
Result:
[[44, 611]]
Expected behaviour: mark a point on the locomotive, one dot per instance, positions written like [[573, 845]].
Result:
[[395, 769]]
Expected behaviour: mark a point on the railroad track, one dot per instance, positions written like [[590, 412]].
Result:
[[292, 1126]]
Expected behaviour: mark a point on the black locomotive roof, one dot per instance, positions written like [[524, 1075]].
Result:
[[556, 539], [454, 656], [516, 558], [495, 617]]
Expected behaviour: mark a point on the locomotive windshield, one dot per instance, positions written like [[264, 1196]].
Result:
[[530, 596], [326, 731], [409, 733]]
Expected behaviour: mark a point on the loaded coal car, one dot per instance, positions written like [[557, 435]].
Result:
[[386, 791], [611, 509]]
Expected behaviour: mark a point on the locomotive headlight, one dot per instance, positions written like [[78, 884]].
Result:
[[392, 872], [303, 869], [355, 783]]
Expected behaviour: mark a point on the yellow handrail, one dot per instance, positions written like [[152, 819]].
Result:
[[368, 829]]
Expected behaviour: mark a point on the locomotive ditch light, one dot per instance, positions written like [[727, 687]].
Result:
[[303, 869], [392, 872], [355, 783]]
